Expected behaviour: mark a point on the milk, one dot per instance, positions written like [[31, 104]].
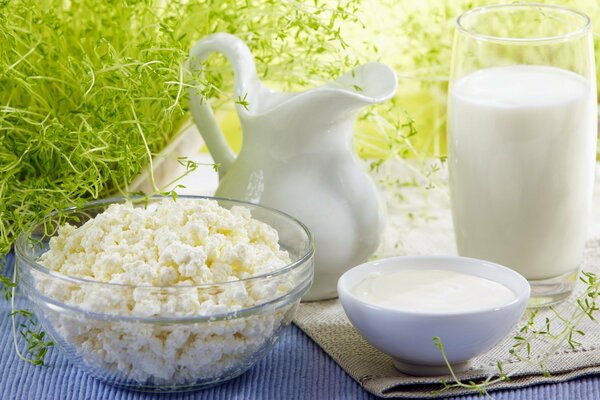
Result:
[[432, 291], [522, 145]]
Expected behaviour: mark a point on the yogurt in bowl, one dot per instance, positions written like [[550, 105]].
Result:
[[400, 304]]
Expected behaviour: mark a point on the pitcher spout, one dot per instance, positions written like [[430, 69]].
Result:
[[337, 101], [369, 83]]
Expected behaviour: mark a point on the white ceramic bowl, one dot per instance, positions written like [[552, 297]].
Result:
[[408, 336]]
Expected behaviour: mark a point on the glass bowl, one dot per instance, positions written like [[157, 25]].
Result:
[[174, 351]]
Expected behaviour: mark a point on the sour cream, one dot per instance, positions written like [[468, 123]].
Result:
[[432, 291]]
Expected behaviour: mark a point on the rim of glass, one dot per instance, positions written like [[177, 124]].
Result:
[[582, 28], [21, 244]]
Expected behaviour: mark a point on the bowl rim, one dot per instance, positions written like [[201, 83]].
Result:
[[346, 294], [21, 242]]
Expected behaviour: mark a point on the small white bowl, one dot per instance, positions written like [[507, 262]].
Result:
[[408, 336]]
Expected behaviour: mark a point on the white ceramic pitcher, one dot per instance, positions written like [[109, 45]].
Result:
[[297, 156]]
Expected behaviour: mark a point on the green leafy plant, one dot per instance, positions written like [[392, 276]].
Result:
[[91, 90]]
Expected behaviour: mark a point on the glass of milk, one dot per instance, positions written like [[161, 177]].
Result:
[[522, 122]]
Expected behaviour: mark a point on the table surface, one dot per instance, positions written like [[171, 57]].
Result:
[[296, 368]]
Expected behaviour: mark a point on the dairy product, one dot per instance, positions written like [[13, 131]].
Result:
[[184, 242], [432, 291], [522, 145], [148, 262]]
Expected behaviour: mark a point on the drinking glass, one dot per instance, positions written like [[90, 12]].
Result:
[[522, 124]]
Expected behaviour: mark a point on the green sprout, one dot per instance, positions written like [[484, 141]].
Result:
[[91, 91]]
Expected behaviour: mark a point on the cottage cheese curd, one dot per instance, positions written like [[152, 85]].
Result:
[[155, 258]]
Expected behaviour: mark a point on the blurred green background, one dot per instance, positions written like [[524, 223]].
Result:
[[415, 38]]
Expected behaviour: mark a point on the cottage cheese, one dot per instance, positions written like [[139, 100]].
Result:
[[156, 257]]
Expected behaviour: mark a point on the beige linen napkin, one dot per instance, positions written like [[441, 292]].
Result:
[[431, 233]]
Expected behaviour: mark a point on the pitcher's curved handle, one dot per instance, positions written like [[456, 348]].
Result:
[[245, 84]]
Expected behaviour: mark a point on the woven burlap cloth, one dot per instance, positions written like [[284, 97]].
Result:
[[425, 228]]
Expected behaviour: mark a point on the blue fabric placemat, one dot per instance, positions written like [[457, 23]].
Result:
[[295, 369]]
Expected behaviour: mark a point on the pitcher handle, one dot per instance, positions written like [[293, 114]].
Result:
[[245, 84]]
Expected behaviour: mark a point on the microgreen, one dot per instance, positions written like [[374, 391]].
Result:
[[479, 387], [91, 91], [242, 101]]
